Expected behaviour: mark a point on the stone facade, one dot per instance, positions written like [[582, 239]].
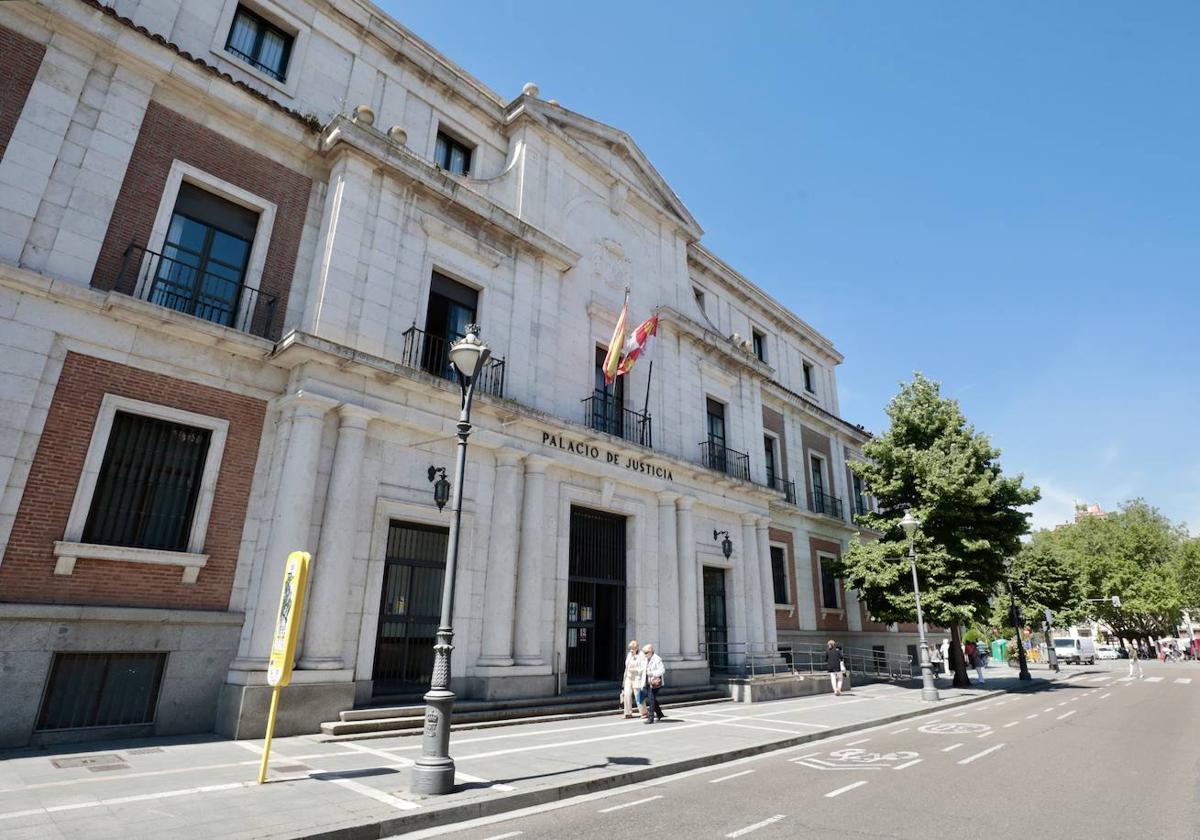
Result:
[[332, 410]]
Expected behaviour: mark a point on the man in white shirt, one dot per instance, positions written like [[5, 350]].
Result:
[[653, 674]]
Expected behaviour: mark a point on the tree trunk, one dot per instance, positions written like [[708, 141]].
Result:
[[961, 680]]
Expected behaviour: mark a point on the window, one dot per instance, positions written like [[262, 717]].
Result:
[[860, 500], [779, 575], [259, 43], [699, 296], [452, 155], [715, 417], [608, 401], [148, 485], [830, 588], [204, 256], [101, 689], [818, 481], [452, 306], [760, 345], [769, 456], [808, 378]]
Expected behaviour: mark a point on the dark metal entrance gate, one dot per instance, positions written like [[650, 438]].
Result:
[[409, 608], [716, 629], [596, 597]]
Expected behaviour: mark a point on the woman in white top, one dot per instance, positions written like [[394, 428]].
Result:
[[653, 676], [631, 688]]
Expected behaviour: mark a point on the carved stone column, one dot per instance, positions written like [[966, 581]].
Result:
[[689, 594], [500, 588]]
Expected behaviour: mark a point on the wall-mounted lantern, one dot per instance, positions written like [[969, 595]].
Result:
[[726, 543], [441, 486]]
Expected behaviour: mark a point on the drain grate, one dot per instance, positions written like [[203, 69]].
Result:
[[107, 759]]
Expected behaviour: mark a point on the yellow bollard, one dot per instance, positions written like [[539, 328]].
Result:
[[262, 768]]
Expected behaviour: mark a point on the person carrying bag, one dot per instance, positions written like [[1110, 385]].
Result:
[[631, 686]]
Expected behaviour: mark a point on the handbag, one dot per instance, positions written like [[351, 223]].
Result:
[[656, 682]]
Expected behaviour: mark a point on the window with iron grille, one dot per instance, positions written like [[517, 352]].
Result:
[[101, 689], [452, 155], [259, 43], [779, 575], [148, 484]]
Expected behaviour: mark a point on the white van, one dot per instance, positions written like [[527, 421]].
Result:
[[1076, 651]]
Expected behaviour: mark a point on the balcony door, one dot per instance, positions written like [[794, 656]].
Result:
[[716, 434], [204, 256], [608, 407], [451, 307], [818, 481]]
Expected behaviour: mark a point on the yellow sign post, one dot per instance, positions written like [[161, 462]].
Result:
[[283, 642]]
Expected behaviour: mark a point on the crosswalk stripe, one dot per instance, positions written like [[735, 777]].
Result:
[[1184, 681], [1153, 679]]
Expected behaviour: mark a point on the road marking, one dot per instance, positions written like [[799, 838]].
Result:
[[951, 747], [1014, 723], [504, 836], [971, 758], [727, 778], [898, 731], [908, 764], [1183, 681], [1031, 717], [1153, 679], [629, 804], [121, 800], [986, 734], [467, 777], [802, 757], [1063, 703], [842, 790], [1074, 699], [859, 741], [1104, 696], [377, 795], [1067, 715], [1048, 709], [757, 825]]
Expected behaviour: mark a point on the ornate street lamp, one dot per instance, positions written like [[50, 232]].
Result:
[[1015, 616], [726, 543], [433, 771], [441, 486], [929, 690]]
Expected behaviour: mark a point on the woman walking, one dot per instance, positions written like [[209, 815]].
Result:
[[835, 666], [631, 687], [654, 673]]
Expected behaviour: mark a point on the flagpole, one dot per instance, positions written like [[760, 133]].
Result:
[[649, 375]]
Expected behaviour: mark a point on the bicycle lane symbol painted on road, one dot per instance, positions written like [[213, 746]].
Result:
[[955, 728], [852, 759]]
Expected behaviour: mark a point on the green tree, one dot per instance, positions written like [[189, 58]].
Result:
[[933, 462], [1052, 579]]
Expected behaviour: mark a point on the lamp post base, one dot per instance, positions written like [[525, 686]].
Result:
[[433, 771]]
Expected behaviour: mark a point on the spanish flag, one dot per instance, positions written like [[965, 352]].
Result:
[[612, 361]]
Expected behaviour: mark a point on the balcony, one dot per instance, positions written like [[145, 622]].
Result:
[[605, 413], [787, 488], [431, 353], [194, 290], [823, 503], [729, 461]]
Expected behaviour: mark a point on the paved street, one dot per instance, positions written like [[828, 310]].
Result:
[[1093, 756]]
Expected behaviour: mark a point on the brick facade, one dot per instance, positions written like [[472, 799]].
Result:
[[167, 136], [826, 619], [27, 573], [784, 621], [20, 59]]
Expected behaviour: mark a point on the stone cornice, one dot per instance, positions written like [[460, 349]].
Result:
[[673, 319], [344, 133]]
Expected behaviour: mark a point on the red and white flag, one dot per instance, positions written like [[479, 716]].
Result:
[[638, 345]]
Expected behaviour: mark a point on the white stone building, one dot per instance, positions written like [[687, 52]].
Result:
[[235, 239]]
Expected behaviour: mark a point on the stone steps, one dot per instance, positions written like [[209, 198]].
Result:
[[383, 721]]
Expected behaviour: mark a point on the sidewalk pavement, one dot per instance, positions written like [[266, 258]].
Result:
[[204, 787]]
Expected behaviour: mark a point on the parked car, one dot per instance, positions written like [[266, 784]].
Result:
[[1076, 651], [1106, 652]]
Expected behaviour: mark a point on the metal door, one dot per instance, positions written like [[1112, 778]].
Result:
[[409, 608], [716, 630], [596, 597]]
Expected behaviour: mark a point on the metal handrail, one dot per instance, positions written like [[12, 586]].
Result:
[[787, 488], [431, 353], [722, 459], [824, 503], [739, 659], [182, 287], [605, 413]]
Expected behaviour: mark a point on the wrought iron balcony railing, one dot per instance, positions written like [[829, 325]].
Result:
[[787, 488], [431, 353], [729, 461], [819, 502], [605, 413], [191, 288]]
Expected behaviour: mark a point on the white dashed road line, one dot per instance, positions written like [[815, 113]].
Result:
[[1104, 696], [504, 836], [1153, 679], [727, 778], [987, 734], [909, 763], [859, 741], [898, 731], [756, 826], [629, 804], [951, 748], [1067, 715], [1014, 723], [978, 755], [842, 790], [1031, 717], [1183, 681]]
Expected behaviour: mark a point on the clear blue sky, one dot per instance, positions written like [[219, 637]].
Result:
[[1004, 196]]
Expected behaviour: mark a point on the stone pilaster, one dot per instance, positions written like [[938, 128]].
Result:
[[668, 579], [529, 564], [751, 589], [689, 593], [767, 588], [500, 588]]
